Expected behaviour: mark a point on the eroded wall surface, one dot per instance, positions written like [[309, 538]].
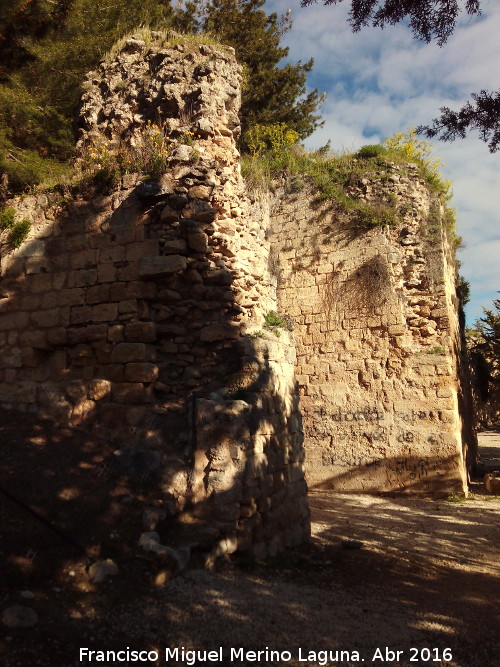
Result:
[[127, 312], [377, 341]]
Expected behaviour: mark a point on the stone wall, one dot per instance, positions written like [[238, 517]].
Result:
[[378, 342], [138, 313], [129, 310]]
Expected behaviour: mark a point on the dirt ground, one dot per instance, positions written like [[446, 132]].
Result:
[[426, 578]]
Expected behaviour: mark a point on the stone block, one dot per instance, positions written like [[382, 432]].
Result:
[[34, 338], [102, 351], [49, 300], [136, 251], [140, 332], [156, 267], [84, 259], [128, 352], [82, 412], [57, 336], [71, 297], [214, 332], [114, 253], [28, 302], [53, 402], [106, 273], [11, 357], [32, 248], [140, 290], [77, 241], [105, 312], [12, 266], [59, 280], [35, 265], [76, 390], [168, 214], [118, 291], [99, 389], [198, 241], [26, 392], [130, 392], [82, 355], [199, 192], [115, 333], [174, 246], [127, 306], [81, 314], [85, 277], [97, 294], [111, 372], [141, 372], [96, 332], [127, 272], [76, 335], [40, 283], [59, 359], [46, 318]]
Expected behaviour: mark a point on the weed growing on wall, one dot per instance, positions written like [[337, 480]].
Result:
[[19, 233], [407, 146], [19, 230], [7, 218], [274, 152], [371, 150], [275, 321], [367, 216], [150, 155]]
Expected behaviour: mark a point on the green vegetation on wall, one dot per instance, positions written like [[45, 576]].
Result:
[[276, 152], [18, 230]]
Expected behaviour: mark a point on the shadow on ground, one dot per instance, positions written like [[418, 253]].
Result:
[[427, 575]]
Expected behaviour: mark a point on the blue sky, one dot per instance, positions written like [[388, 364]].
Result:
[[379, 82]]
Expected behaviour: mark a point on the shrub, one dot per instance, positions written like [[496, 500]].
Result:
[[410, 148], [371, 150], [277, 138], [368, 216], [272, 320], [150, 156], [7, 218]]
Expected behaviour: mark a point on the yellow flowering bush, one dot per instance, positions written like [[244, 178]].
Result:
[[277, 138], [407, 145]]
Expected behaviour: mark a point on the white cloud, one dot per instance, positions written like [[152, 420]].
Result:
[[382, 82]]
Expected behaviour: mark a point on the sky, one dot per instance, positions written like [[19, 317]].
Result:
[[379, 82]]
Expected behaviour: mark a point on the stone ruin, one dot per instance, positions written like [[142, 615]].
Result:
[[144, 308]]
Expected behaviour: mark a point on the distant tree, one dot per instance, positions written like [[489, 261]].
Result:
[[271, 94], [488, 328], [433, 20], [49, 46], [22, 20]]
